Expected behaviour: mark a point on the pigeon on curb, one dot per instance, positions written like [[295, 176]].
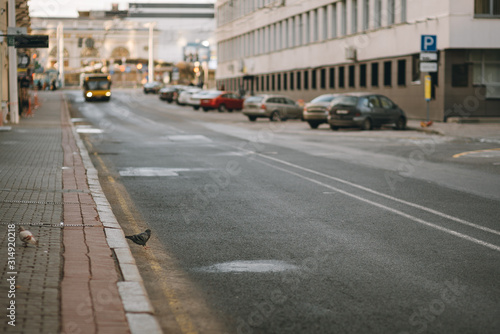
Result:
[[27, 237], [140, 238]]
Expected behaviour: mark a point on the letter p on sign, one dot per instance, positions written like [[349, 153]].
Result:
[[428, 43]]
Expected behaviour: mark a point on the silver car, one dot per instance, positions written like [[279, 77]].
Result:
[[274, 107]]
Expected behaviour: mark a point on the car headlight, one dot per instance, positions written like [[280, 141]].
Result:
[[108, 93], [89, 94]]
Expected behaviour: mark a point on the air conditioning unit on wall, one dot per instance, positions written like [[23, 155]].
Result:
[[350, 53]]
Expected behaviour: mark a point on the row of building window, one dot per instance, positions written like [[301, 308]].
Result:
[[316, 25], [345, 76]]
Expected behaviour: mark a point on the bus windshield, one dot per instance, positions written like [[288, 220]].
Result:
[[97, 84]]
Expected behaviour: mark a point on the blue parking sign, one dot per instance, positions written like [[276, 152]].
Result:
[[428, 43]]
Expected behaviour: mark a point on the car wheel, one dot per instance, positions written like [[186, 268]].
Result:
[[275, 117], [252, 118], [401, 123], [205, 109], [196, 107], [313, 125], [333, 127], [367, 124], [230, 110], [169, 101], [222, 108]]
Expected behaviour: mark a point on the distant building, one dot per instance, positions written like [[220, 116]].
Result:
[[307, 48], [117, 40]]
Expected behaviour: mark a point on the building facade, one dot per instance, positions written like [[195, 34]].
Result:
[[117, 41], [307, 48]]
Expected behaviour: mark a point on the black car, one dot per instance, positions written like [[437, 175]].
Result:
[[365, 110], [171, 93]]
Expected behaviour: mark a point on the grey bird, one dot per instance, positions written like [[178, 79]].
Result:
[[140, 238]]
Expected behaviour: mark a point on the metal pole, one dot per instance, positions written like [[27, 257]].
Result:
[[13, 97], [151, 70], [60, 52], [1, 81]]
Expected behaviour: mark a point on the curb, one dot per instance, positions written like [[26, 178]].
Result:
[[138, 308]]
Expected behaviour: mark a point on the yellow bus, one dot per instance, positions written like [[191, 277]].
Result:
[[97, 87]]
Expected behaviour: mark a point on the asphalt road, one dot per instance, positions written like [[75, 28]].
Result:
[[276, 228]]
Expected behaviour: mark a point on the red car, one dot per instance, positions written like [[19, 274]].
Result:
[[223, 101]]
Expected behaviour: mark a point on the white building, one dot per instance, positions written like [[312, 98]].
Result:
[[95, 39], [307, 48]]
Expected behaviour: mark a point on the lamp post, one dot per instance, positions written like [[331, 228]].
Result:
[[14, 107], [151, 70]]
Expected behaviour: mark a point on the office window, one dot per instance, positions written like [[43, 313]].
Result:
[[377, 17], [415, 68], [306, 79], [387, 73], [341, 77], [334, 20], [263, 88], [354, 16], [256, 83], [343, 19], [486, 7], [293, 31], [285, 24], [273, 82], [362, 75], [269, 40], [331, 83], [279, 36], [301, 30], [268, 82], [366, 14], [325, 23], [314, 79], [278, 79], [315, 23], [307, 23], [486, 70], [285, 81], [299, 80], [402, 72], [391, 11], [352, 78], [291, 80], [323, 78], [374, 74], [403, 10], [459, 75]]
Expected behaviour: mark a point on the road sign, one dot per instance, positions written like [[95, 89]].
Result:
[[428, 56], [31, 41], [428, 43], [428, 67]]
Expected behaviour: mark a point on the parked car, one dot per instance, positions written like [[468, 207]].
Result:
[[152, 87], [274, 107], [194, 99], [222, 101], [171, 93], [184, 95], [365, 110], [316, 111]]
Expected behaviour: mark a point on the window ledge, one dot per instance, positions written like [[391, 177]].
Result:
[[486, 16]]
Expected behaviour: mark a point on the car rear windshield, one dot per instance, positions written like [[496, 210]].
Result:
[[324, 98], [350, 101], [254, 99]]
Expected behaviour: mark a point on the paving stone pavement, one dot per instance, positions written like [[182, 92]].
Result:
[[72, 281], [31, 196]]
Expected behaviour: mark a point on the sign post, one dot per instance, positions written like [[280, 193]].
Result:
[[428, 64]]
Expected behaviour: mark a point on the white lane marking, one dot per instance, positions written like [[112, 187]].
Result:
[[438, 213], [418, 220], [257, 266], [158, 171], [183, 138]]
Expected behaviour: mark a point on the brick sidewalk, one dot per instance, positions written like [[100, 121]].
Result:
[[72, 282]]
